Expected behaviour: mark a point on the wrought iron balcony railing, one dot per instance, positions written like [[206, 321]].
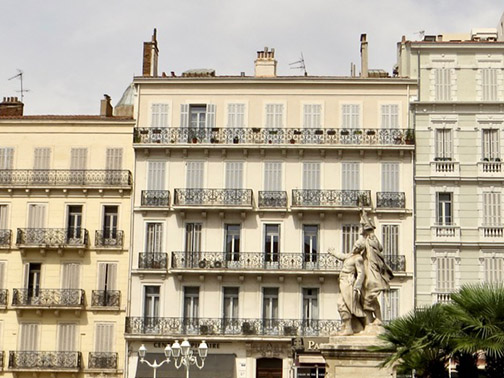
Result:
[[3, 297], [109, 238], [65, 177], [31, 360], [102, 360], [48, 297], [396, 262], [323, 198], [153, 260], [155, 198], [282, 136], [391, 200], [1, 360], [254, 261], [213, 197], [237, 327], [52, 237], [5, 238], [272, 199], [105, 298]]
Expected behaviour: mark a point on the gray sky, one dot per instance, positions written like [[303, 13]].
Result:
[[72, 52]]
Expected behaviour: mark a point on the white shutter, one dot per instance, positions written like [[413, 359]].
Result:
[[489, 84], [312, 115], [3, 217], [494, 269], [104, 337], [36, 216], [194, 178], [42, 157], [492, 209], [390, 177], [184, 115], [272, 176], [159, 115], [311, 175], [442, 84], [156, 175], [444, 143], [234, 175], [390, 304], [114, 159], [70, 277], [28, 340], [6, 158], [3, 264], [78, 158], [491, 144], [236, 115], [445, 273], [107, 276], [350, 116], [210, 116], [154, 240], [350, 176], [390, 237], [66, 337], [390, 116], [350, 233], [274, 115]]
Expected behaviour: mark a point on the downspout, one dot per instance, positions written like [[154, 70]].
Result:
[[413, 114]]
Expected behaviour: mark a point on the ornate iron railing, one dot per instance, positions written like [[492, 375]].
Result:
[[155, 198], [152, 260], [102, 360], [258, 135], [391, 200], [1, 360], [396, 262], [238, 327], [52, 237], [66, 177], [22, 360], [109, 238], [272, 199], [5, 238], [322, 198], [213, 197], [3, 297], [254, 261], [105, 298], [48, 297]]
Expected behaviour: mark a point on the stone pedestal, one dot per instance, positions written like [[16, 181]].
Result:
[[350, 357]]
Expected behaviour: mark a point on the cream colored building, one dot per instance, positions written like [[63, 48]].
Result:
[[242, 183], [459, 123], [65, 210]]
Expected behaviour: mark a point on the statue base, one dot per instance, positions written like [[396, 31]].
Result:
[[349, 356]]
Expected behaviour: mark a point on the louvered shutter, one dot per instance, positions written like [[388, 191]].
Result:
[[390, 237], [104, 337], [194, 179], [210, 116], [491, 209], [42, 158], [445, 273], [36, 216], [442, 84], [272, 176], [351, 116], [444, 143], [29, 337], [66, 337], [159, 115], [311, 175], [78, 158], [234, 175], [70, 276], [154, 240], [350, 176], [3, 217], [390, 177], [350, 233], [489, 84], [107, 276], [156, 175], [6, 158], [114, 159], [236, 115], [184, 115], [491, 148], [274, 115], [494, 269], [312, 115], [390, 116], [3, 264], [102, 273]]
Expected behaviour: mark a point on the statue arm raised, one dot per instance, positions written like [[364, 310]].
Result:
[[339, 255]]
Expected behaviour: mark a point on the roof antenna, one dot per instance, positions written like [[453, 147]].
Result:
[[300, 65], [421, 34], [22, 91]]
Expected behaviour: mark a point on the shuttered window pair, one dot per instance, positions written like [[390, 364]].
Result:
[[390, 238], [390, 177], [236, 115], [489, 84], [494, 269], [350, 233], [442, 84], [272, 176], [194, 174], [274, 115], [350, 179], [312, 115], [154, 237], [492, 213], [444, 143], [350, 116], [491, 145], [234, 175], [390, 116], [390, 305], [107, 276], [159, 115], [6, 158], [197, 116], [156, 175], [445, 274]]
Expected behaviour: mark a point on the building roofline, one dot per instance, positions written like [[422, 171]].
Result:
[[63, 118]]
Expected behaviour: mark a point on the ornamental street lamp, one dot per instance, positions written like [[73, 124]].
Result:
[[181, 353]]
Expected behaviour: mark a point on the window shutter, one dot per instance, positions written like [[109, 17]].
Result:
[[351, 116], [350, 234], [159, 115], [36, 216], [114, 159], [194, 178], [112, 276], [491, 209], [210, 116], [390, 236], [445, 273], [234, 175], [3, 264], [66, 339], [29, 337], [350, 176], [104, 337], [154, 237], [274, 115], [6, 158], [42, 158], [156, 175], [102, 271], [78, 158], [489, 84], [311, 175], [70, 276], [312, 115], [390, 177], [236, 115], [390, 116], [184, 115], [3, 217], [272, 176]]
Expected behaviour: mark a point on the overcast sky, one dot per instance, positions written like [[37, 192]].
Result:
[[72, 52]]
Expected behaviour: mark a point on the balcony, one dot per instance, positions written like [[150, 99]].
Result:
[[1, 360], [102, 360], [492, 232], [442, 297], [52, 238], [396, 262], [213, 197], [220, 136], [254, 261], [5, 238], [390, 200], [152, 261], [445, 167], [330, 198], [4, 293], [109, 238], [155, 198], [106, 298], [45, 361], [182, 327], [48, 298], [272, 199], [89, 178], [490, 167], [446, 231]]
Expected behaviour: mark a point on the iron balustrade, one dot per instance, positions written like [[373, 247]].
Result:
[[3, 297], [279, 136], [102, 360], [391, 200], [35, 297], [109, 238], [52, 237], [237, 327], [396, 262], [323, 198], [155, 198], [1, 360], [105, 298], [66, 177], [5, 238], [272, 199], [152, 260], [254, 261], [213, 197], [25, 360]]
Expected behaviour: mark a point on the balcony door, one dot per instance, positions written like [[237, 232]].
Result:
[[70, 283], [350, 181], [36, 216], [107, 278], [78, 165], [28, 337], [310, 310], [74, 225], [32, 282], [191, 309], [310, 245], [199, 119], [390, 177], [151, 309], [110, 219], [230, 311], [270, 310], [41, 164], [193, 245], [66, 337], [232, 240], [104, 339], [271, 245], [113, 165]]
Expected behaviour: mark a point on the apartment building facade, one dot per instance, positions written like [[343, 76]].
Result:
[[458, 119], [242, 184], [65, 196]]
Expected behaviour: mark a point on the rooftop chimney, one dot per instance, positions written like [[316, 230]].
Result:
[[11, 107], [364, 55], [150, 56], [106, 109], [265, 64]]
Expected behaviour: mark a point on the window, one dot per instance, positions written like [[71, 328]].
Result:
[[390, 116], [492, 209], [390, 177], [199, 118], [191, 306], [66, 337], [311, 175], [28, 337], [390, 236], [390, 305], [232, 240], [113, 165], [107, 276], [230, 304], [110, 224], [151, 308], [310, 307], [445, 274], [350, 116], [444, 209], [70, 276], [159, 115], [270, 308], [350, 235], [442, 84], [272, 176], [236, 115], [74, 225], [274, 115], [494, 269], [6, 158], [491, 145], [3, 264], [32, 279], [234, 175], [154, 237], [350, 176], [271, 242], [489, 84], [193, 245], [42, 158], [444, 144], [312, 116], [156, 175], [194, 174], [36, 215], [310, 243], [104, 337], [78, 158], [3, 218]]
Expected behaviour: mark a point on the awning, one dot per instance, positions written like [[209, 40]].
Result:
[[216, 366], [311, 359]]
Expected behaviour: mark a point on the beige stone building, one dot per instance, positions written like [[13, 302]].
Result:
[[458, 118], [65, 209], [242, 183]]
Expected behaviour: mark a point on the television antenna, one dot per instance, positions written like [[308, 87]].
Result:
[[300, 65], [421, 34], [20, 75]]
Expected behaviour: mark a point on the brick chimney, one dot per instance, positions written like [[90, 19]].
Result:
[[11, 107], [265, 64], [150, 56], [106, 108], [364, 56]]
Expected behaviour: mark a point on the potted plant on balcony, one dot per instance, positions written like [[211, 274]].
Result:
[[331, 132], [319, 132], [370, 132], [410, 137], [344, 132], [357, 132], [256, 129]]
